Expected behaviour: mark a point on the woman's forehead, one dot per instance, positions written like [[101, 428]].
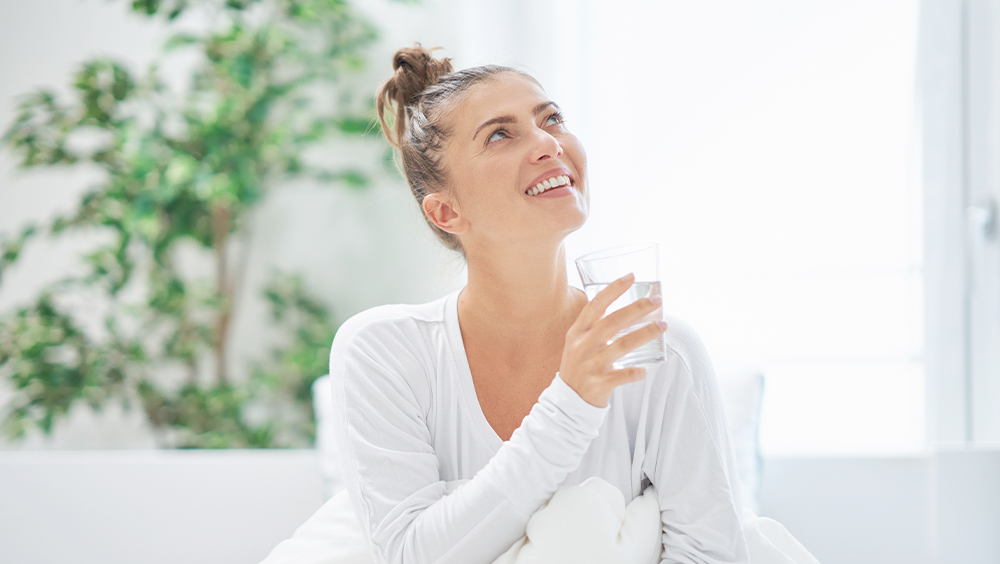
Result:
[[506, 94]]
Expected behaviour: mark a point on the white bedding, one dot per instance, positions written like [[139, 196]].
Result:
[[584, 524]]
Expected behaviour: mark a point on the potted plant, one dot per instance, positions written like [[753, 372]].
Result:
[[183, 169]]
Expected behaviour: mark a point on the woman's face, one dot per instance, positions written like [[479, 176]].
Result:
[[507, 142]]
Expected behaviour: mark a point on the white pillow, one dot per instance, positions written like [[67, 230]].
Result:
[[742, 392], [326, 444]]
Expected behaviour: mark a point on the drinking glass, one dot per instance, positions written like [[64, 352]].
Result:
[[601, 268]]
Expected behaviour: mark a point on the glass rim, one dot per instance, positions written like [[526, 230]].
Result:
[[613, 252]]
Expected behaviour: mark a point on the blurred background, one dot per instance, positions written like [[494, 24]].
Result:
[[193, 196]]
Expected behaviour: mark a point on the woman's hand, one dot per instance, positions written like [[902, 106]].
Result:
[[587, 357]]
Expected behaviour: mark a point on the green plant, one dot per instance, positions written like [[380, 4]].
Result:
[[182, 172]]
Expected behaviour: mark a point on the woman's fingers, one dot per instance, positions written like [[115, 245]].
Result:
[[615, 321], [595, 308], [587, 363], [627, 343], [627, 375]]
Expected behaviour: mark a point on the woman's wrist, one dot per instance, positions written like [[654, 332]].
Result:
[[593, 398]]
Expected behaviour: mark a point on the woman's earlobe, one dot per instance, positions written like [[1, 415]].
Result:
[[444, 214]]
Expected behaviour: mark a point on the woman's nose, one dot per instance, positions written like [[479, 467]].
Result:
[[546, 146]]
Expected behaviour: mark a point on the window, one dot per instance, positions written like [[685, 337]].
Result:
[[772, 149]]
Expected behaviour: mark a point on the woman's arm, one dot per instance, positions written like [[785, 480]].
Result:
[[392, 470], [689, 457]]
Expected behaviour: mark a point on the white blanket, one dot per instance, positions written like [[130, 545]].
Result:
[[584, 524]]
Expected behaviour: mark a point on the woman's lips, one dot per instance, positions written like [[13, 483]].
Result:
[[555, 192], [551, 173]]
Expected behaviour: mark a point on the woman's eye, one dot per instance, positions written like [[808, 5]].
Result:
[[554, 119], [497, 135]]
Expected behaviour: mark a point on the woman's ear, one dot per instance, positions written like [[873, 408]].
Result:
[[444, 212]]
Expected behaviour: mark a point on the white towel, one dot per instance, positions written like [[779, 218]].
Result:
[[590, 523]]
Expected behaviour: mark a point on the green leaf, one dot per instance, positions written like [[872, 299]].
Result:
[[10, 250], [353, 178], [101, 85], [53, 365], [357, 125], [39, 131], [180, 40], [148, 7]]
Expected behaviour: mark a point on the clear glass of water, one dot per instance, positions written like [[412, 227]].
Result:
[[601, 268]]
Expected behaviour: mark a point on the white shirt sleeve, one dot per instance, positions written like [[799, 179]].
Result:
[[391, 469], [689, 457]]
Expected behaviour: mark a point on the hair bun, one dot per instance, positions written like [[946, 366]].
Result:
[[415, 70]]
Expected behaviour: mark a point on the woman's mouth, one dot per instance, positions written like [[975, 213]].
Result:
[[559, 183]]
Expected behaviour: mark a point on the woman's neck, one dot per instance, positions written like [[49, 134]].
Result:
[[516, 294]]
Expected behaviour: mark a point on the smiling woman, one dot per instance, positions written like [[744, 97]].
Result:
[[495, 126], [508, 385]]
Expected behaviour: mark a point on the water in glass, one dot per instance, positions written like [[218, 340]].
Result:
[[653, 351]]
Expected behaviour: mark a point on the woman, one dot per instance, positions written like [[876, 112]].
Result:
[[509, 383]]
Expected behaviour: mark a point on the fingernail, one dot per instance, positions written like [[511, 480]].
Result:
[[656, 300], [628, 277], [662, 324]]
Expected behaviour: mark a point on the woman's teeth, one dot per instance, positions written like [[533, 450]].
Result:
[[544, 185]]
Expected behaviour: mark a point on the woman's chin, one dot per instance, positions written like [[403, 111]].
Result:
[[569, 223], [578, 218]]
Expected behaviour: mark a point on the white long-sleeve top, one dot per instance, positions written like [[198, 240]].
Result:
[[408, 421]]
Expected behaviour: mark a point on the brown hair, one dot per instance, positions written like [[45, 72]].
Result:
[[414, 101]]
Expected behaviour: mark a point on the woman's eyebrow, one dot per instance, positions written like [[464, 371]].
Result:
[[541, 107], [498, 119], [511, 119]]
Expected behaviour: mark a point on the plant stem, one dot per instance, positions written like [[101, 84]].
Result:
[[236, 282], [220, 232]]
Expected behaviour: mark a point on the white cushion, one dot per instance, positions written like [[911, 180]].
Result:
[[742, 392], [326, 444]]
